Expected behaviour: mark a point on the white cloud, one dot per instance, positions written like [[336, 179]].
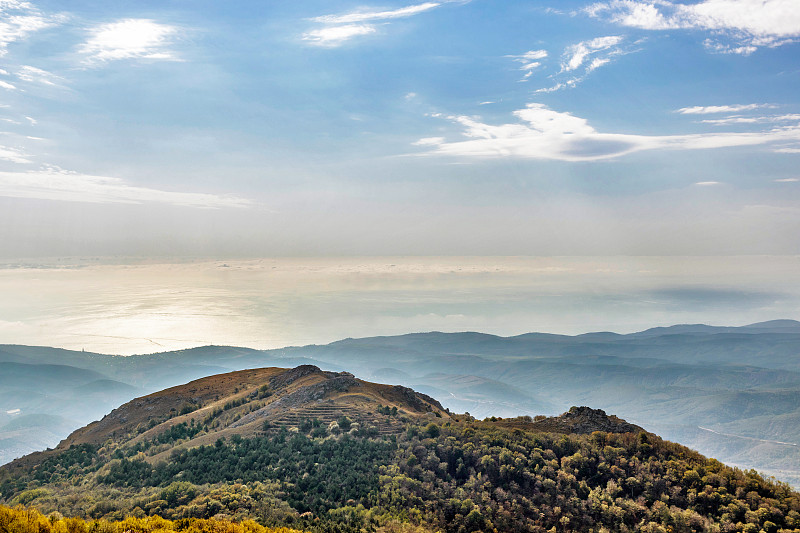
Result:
[[597, 63], [737, 26], [530, 61], [713, 109], [336, 35], [788, 180], [429, 141], [580, 59], [13, 155], [752, 120], [338, 29], [576, 54], [6, 85], [363, 16], [129, 39], [57, 184], [542, 133], [18, 19], [37, 75], [708, 183]]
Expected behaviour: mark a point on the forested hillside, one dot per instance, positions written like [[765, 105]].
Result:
[[387, 463]]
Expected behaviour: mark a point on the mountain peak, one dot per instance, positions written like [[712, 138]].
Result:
[[247, 401]]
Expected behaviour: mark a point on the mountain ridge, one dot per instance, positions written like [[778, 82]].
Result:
[[669, 383], [330, 452]]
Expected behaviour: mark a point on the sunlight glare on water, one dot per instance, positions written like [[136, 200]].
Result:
[[143, 307]]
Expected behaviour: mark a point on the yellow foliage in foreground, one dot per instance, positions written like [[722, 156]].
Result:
[[21, 520]]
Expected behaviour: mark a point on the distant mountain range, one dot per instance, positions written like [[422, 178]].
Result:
[[730, 392]]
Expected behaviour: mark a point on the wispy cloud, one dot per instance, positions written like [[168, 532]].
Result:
[[37, 75], [581, 59], [29, 74], [542, 133], [129, 39], [530, 60], [334, 36], [787, 180], [575, 55], [363, 16], [736, 26], [58, 184], [338, 29], [733, 119], [429, 141], [792, 117], [714, 109], [13, 155], [18, 19]]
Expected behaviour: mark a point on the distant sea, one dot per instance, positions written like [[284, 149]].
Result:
[[129, 306]]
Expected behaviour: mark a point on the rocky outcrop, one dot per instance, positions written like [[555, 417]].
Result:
[[293, 374], [585, 420]]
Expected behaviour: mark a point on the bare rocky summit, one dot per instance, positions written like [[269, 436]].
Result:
[[585, 420]]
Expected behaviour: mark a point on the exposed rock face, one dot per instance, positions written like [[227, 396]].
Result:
[[292, 375], [314, 392], [585, 420], [414, 398]]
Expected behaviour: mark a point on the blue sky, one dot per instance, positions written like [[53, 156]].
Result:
[[349, 128]]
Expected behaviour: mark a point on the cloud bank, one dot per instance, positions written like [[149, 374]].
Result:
[[57, 184], [737, 26], [543, 133]]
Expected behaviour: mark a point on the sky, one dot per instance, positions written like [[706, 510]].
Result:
[[480, 128]]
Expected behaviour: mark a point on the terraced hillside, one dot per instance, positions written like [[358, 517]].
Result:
[[247, 403]]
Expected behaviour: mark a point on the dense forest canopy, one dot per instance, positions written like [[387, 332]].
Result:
[[453, 476]]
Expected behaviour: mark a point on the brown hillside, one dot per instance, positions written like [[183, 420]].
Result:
[[241, 402]]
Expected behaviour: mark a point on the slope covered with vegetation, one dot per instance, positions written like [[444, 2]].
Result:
[[393, 460], [32, 521]]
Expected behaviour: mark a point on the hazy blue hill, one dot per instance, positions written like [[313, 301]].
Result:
[[389, 375], [36, 421], [105, 386], [672, 380], [23, 434], [485, 397], [783, 426], [771, 326], [49, 376], [774, 326]]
